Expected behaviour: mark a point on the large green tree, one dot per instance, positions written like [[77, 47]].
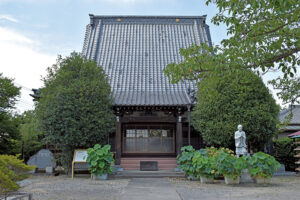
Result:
[[263, 36], [75, 108], [235, 98], [9, 132]]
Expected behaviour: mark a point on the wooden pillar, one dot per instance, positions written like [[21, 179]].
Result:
[[178, 135], [118, 141]]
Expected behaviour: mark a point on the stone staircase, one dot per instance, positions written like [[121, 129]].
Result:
[[164, 163]]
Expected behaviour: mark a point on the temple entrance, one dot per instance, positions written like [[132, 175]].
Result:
[[148, 138]]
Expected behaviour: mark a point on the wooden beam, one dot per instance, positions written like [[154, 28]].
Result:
[[118, 141], [178, 135]]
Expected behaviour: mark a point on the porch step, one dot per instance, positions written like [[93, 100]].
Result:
[[163, 163], [148, 174]]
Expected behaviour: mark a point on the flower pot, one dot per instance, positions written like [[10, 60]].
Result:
[[99, 177], [192, 178], [206, 180], [262, 180], [231, 181]]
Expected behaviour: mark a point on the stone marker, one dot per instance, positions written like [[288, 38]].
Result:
[[42, 159], [246, 177], [49, 170]]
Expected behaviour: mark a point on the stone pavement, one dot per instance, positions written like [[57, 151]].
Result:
[[149, 189]]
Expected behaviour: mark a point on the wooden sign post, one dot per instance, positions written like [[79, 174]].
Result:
[[80, 156]]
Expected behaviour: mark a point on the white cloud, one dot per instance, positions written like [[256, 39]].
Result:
[[20, 60], [8, 18]]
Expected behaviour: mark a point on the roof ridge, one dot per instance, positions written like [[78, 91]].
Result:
[[148, 16]]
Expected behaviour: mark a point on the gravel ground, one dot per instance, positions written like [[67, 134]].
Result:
[[81, 188], [280, 188]]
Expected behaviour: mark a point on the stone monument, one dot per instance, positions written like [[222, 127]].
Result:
[[43, 159], [240, 142]]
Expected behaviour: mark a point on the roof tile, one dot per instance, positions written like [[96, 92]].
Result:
[[134, 50]]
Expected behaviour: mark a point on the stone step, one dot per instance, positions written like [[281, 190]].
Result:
[[137, 166], [134, 163], [148, 174], [159, 161]]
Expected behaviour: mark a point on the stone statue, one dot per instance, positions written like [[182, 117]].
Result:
[[240, 142]]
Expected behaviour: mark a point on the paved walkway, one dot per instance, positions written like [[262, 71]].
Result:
[[149, 189]]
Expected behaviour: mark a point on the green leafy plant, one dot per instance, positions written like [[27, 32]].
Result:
[[262, 165], [230, 166], [184, 160], [100, 159], [204, 165], [12, 169]]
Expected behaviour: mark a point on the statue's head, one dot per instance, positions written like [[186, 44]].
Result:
[[240, 127]]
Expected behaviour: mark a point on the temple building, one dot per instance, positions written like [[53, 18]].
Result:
[[152, 115]]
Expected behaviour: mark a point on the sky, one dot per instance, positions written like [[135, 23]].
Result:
[[34, 32]]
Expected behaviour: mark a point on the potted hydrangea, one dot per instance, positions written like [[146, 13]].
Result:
[[204, 166], [184, 161], [230, 167], [100, 160], [262, 167]]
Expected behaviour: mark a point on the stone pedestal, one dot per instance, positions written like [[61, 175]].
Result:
[[117, 168], [245, 177], [49, 170]]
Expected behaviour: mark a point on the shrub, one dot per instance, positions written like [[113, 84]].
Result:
[[184, 161], [100, 159], [284, 152], [11, 170], [230, 166], [262, 165], [204, 164]]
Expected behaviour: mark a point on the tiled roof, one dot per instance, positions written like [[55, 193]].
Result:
[[134, 50], [296, 114]]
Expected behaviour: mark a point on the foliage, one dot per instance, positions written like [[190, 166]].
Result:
[[214, 152], [31, 135], [100, 159], [284, 152], [184, 161], [262, 165], [74, 110], [9, 134], [263, 36], [288, 89], [230, 166], [235, 98], [204, 164], [8, 93], [201, 162], [11, 170]]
